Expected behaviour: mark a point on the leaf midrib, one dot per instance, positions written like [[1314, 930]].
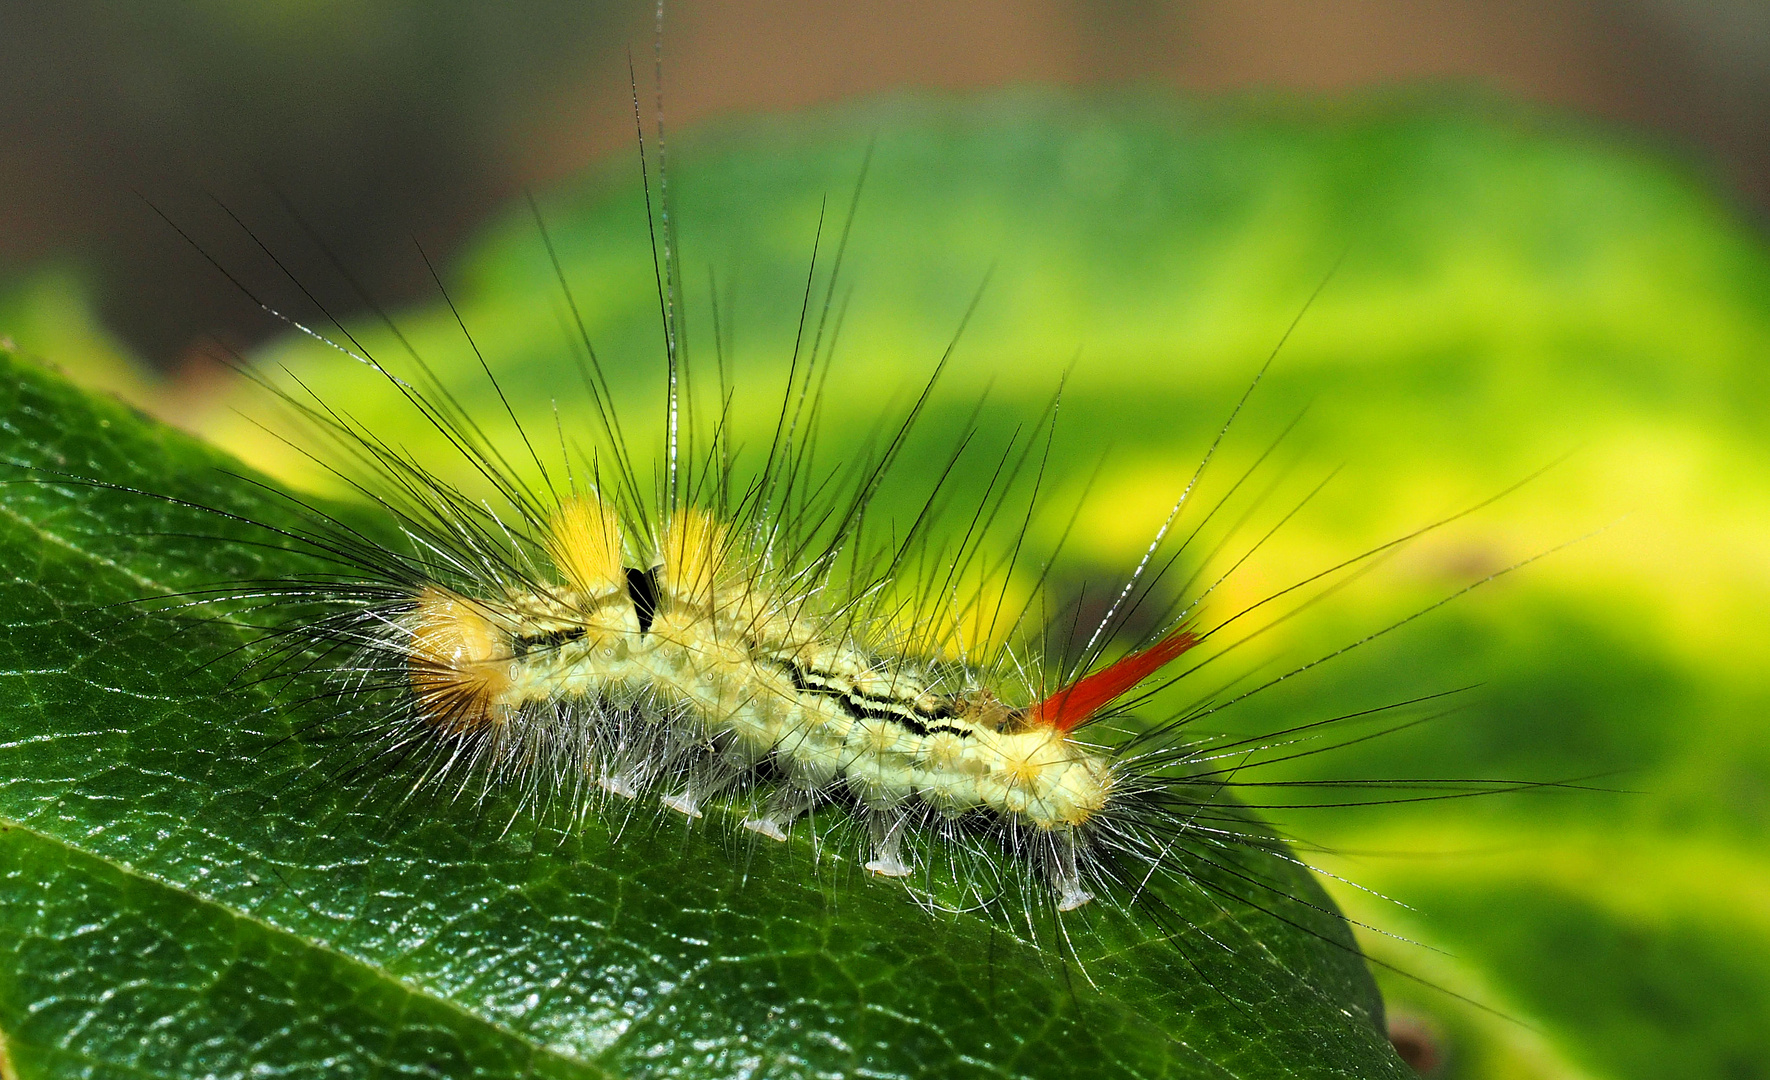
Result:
[[271, 929]]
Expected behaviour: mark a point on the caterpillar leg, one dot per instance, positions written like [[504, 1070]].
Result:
[[623, 784], [1065, 879], [624, 763], [782, 808], [887, 829], [687, 802]]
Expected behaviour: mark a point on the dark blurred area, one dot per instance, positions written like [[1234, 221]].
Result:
[[394, 121]]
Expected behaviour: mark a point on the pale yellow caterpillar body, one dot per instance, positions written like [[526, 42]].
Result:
[[699, 656]]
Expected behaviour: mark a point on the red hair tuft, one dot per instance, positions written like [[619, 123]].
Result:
[[1071, 706]]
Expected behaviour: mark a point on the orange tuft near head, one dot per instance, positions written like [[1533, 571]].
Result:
[[1071, 706], [460, 662]]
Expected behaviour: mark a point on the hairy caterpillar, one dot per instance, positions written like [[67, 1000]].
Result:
[[736, 637]]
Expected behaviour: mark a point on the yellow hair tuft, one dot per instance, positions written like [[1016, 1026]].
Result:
[[694, 555], [584, 539]]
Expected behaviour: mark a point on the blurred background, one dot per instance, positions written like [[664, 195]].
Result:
[[408, 119], [1547, 222]]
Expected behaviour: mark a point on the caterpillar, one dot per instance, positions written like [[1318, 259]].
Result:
[[697, 674], [732, 637], [678, 653]]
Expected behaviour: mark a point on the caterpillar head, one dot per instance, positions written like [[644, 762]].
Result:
[[459, 661]]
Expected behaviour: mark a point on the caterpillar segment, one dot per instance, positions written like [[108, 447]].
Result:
[[689, 663]]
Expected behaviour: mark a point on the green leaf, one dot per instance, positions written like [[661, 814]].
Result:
[[180, 900]]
